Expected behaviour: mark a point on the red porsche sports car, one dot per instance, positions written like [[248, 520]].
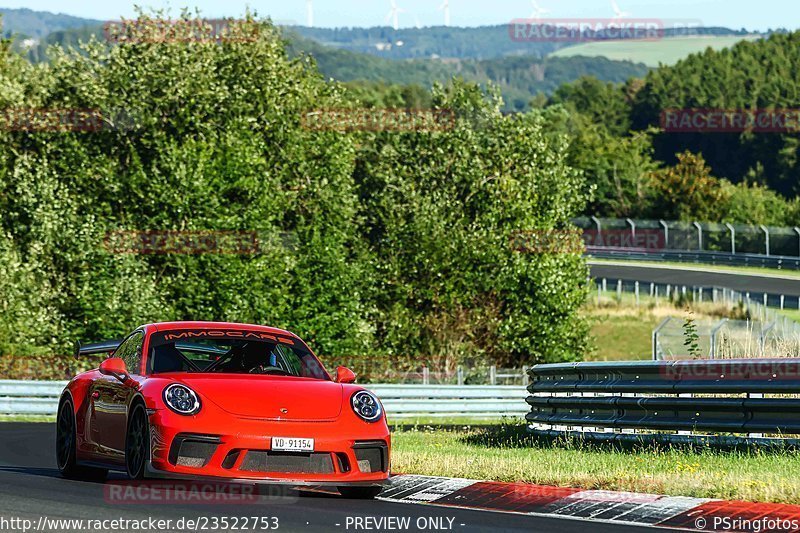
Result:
[[219, 400]]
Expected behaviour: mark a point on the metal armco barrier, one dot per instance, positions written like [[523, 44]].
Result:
[[611, 401], [711, 258], [400, 401]]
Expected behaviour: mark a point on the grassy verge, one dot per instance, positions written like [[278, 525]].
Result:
[[27, 418], [508, 453], [449, 421], [622, 331]]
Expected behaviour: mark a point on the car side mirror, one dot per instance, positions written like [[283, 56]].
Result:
[[114, 366], [345, 375]]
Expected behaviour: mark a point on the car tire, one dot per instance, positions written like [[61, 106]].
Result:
[[360, 493], [66, 444], [137, 442]]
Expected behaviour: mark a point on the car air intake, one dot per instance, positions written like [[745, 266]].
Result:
[[371, 456], [286, 462], [193, 450]]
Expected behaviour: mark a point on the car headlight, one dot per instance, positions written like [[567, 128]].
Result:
[[181, 399], [366, 406]]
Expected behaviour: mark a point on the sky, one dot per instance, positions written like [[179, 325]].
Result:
[[756, 15]]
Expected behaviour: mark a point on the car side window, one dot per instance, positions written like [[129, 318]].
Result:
[[130, 351]]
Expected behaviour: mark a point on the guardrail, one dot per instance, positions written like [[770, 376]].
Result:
[[673, 401], [731, 242], [711, 258], [400, 401]]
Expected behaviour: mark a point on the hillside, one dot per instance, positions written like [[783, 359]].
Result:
[[38, 24], [519, 78], [479, 43], [760, 74], [653, 53], [484, 42], [411, 43]]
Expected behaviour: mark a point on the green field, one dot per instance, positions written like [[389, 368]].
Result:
[[508, 453], [651, 53], [622, 331]]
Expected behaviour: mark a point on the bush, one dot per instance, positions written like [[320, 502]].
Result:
[[392, 245]]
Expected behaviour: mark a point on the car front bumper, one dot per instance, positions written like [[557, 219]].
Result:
[[347, 450]]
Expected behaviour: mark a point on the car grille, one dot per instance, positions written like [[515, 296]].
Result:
[[301, 463], [371, 456], [193, 450]]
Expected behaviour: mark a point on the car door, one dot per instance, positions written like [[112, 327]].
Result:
[[110, 400]]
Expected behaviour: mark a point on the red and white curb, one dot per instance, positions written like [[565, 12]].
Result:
[[696, 514]]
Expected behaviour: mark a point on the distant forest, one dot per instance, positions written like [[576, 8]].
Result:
[[520, 77], [612, 108]]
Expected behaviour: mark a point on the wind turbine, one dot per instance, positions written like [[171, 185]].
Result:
[[310, 13], [538, 11], [446, 8], [393, 12], [618, 13]]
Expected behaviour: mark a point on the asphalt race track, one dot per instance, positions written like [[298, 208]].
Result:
[[30, 487], [696, 275]]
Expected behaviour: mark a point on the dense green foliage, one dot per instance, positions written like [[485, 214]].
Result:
[[398, 243], [751, 75], [519, 77], [748, 176]]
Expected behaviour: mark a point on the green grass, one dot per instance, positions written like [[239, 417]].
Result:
[[793, 314], [27, 418], [440, 421], [622, 337], [621, 331], [651, 53], [508, 453]]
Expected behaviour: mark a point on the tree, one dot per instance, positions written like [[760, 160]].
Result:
[[214, 142], [440, 208], [688, 191]]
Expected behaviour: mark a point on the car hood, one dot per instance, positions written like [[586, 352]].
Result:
[[270, 397]]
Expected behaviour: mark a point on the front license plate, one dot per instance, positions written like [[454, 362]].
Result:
[[290, 444]]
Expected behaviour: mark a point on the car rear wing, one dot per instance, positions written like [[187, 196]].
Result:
[[96, 347]]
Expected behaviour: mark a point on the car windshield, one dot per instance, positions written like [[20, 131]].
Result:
[[232, 352]]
